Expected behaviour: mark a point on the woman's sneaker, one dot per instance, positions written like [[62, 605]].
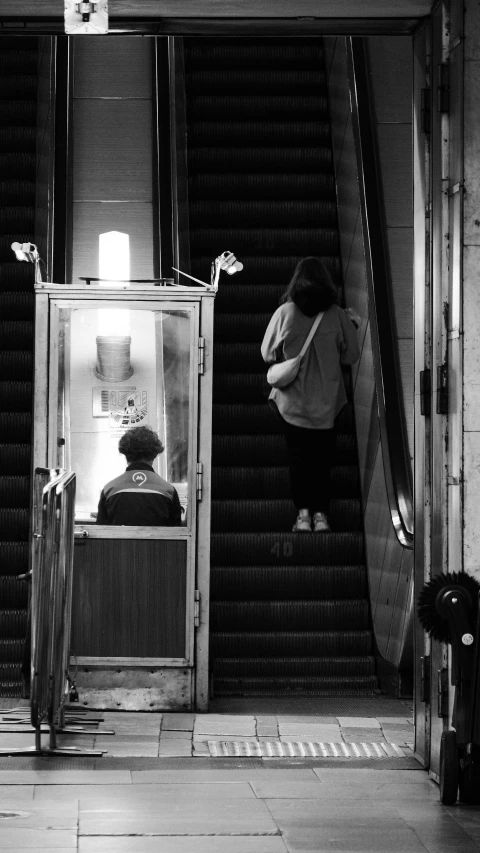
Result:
[[320, 523], [303, 523]]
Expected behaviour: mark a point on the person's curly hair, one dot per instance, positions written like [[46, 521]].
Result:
[[140, 443], [311, 288]]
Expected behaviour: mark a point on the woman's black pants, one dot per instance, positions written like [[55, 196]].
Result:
[[310, 453]]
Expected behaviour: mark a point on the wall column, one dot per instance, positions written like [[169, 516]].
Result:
[[471, 291]]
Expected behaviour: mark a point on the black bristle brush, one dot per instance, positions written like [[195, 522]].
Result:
[[434, 624]]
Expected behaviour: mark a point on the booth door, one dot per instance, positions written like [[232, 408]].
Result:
[[118, 365]]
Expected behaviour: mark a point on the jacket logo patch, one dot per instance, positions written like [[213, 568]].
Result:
[[139, 478]]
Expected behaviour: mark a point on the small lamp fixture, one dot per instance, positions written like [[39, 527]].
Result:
[[26, 252], [226, 261], [86, 18], [29, 252]]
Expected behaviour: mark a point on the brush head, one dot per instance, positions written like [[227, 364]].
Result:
[[434, 624]]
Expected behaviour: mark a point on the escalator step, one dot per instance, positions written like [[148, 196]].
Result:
[[262, 213], [21, 166], [264, 482], [16, 334], [15, 458], [11, 60], [288, 582], [16, 396], [239, 357], [15, 87], [244, 81], [263, 107], [10, 677], [286, 549], [233, 298], [241, 327], [16, 305], [277, 241], [11, 689], [291, 686], [17, 218], [13, 558], [16, 192], [278, 515], [16, 365], [14, 525], [18, 112], [259, 159], [15, 275], [14, 427], [269, 450], [265, 268], [291, 643], [14, 492], [13, 593], [294, 185], [17, 139], [274, 133], [11, 651], [251, 420], [338, 615], [297, 667], [238, 53], [13, 624], [240, 387]]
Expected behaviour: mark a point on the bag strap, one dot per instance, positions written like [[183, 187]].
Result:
[[318, 320]]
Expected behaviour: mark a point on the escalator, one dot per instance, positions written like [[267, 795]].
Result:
[[289, 612], [18, 87]]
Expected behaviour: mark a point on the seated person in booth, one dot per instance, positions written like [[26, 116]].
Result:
[[139, 496]]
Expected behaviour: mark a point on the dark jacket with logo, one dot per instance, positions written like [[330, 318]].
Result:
[[139, 497]]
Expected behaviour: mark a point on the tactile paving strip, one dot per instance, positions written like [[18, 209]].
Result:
[[277, 749]]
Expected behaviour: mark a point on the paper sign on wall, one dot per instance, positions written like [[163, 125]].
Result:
[[127, 409]]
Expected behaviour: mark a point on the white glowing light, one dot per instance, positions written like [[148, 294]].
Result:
[[113, 321], [114, 257]]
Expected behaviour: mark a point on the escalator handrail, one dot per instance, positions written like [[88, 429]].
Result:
[[393, 435]]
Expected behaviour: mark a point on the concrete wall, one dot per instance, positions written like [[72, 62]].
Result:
[[469, 311]]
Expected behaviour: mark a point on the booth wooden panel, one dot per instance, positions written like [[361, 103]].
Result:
[[129, 598]]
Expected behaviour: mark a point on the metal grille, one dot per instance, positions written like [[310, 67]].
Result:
[[276, 749]]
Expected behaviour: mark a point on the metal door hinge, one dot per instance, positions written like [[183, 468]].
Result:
[[425, 112], [196, 609], [443, 692], [201, 356], [425, 679], [442, 389], [425, 393], [443, 88], [199, 481]]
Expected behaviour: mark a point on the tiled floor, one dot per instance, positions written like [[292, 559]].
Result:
[[192, 804], [138, 734]]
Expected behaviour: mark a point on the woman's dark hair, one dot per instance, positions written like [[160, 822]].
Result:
[[140, 443], [311, 288]]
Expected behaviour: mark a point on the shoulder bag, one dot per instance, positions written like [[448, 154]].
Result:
[[283, 374]]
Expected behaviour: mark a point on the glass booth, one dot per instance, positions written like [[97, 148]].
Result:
[[107, 361]]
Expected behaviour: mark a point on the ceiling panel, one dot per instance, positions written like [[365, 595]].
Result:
[[232, 8]]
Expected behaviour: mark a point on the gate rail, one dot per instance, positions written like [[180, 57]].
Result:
[[51, 608]]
